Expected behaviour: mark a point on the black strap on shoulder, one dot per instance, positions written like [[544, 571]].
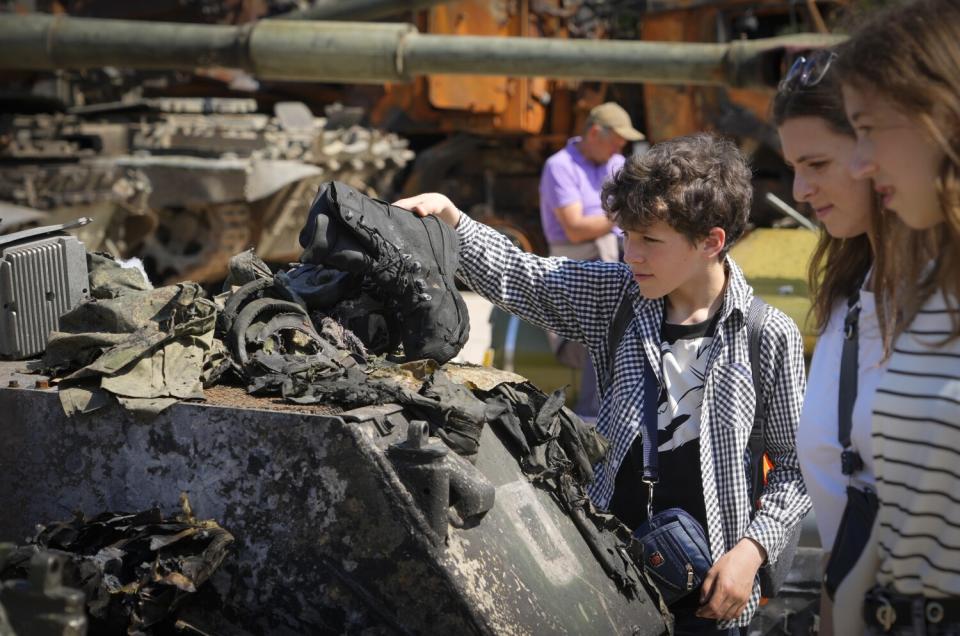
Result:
[[621, 319], [651, 460], [757, 313], [755, 318], [850, 460]]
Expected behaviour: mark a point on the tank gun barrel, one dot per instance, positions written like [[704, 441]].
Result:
[[357, 52]]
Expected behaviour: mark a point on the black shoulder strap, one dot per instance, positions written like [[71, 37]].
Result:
[[850, 460], [621, 318], [650, 462], [758, 310], [755, 317]]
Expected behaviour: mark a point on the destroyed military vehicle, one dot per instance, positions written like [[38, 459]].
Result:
[[360, 493], [185, 183]]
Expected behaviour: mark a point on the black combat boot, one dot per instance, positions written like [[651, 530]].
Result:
[[412, 260]]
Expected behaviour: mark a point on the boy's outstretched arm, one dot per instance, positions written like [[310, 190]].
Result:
[[573, 299], [433, 203]]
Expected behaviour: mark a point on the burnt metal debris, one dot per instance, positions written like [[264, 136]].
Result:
[[132, 572], [149, 347]]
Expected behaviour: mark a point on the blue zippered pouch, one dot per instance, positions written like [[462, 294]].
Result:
[[675, 552]]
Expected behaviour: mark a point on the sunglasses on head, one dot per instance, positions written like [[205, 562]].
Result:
[[807, 71]]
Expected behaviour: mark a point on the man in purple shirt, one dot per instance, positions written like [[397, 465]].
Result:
[[570, 211], [573, 219]]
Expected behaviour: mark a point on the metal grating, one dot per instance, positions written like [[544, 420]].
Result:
[[39, 281]]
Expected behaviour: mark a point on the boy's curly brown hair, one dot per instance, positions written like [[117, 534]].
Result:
[[693, 183]]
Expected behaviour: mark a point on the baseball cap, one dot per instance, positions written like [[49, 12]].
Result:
[[611, 115]]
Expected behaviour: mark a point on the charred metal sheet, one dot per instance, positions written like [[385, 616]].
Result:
[[479, 377], [134, 570], [329, 537]]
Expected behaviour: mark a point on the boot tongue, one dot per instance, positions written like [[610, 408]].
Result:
[[326, 240], [317, 237], [319, 205]]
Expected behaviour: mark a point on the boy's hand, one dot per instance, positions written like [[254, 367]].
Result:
[[432, 203], [727, 586]]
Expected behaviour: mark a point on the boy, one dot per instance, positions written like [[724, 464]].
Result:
[[681, 206]]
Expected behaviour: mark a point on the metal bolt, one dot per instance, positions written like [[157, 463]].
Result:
[[43, 384], [14, 384], [418, 434]]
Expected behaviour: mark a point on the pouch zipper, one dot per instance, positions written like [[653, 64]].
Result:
[[689, 577]]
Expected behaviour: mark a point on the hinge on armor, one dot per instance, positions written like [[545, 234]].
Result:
[[447, 488]]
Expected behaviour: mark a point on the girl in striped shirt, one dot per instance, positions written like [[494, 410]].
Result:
[[901, 83], [818, 142]]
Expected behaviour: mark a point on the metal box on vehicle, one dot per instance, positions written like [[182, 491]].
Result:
[[43, 274]]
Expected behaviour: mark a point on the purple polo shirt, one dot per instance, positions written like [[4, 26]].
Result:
[[568, 177]]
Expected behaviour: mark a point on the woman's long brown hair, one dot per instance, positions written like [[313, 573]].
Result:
[[838, 266], [909, 54]]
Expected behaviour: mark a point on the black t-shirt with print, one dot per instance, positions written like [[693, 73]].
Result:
[[684, 351]]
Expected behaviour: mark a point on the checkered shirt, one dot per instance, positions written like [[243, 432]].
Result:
[[577, 301]]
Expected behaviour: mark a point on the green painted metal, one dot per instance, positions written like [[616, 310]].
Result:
[[374, 52]]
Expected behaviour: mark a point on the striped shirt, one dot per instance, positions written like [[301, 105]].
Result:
[[577, 301], [916, 446]]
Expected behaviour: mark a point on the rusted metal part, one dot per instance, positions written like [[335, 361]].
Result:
[[374, 52], [237, 397], [329, 537]]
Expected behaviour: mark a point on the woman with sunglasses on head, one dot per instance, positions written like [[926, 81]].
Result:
[[900, 74], [818, 143]]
